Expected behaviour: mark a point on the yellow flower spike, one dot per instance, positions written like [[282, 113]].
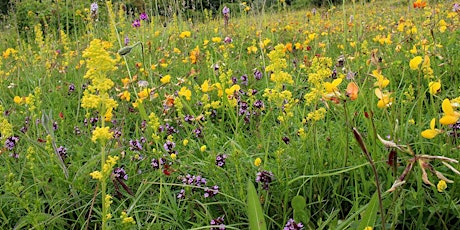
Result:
[[450, 116], [96, 175], [415, 62], [434, 87], [385, 99], [102, 134], [382, 81], [432, 132]]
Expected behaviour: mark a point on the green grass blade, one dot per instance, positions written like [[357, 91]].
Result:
[[370, 215], [255, 212]]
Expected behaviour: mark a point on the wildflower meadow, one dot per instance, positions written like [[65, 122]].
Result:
[[278, 114]]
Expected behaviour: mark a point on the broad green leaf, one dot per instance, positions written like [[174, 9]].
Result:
[[298, 203], [255, 212], [370, 215]]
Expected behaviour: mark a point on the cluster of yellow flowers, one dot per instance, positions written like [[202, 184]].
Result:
[[106, 168], [277, 64], [450, 117], [6, 129], [320, 70], [99, 64]]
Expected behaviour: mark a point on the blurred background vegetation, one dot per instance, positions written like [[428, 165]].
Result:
[[67, 14]]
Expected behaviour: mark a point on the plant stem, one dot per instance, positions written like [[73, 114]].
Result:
[[361, 143]]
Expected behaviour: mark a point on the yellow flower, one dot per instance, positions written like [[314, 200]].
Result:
[[413, 50], [102, 134], [96, 175], [125, 82], [9, 52], [125, 219], [125, 95], [252, 49], [232, 90], [331, 87], [432, 132], [176, 50], [173, 156], [216, 39], [382, 81], [450, 116], [205, 87], [441, 186], [368, 228], [257, 161], [435, 87], [185, 34], [184, 91], [185, 142], [442, 26], [415, 62], [384, 98], [143, 94], [165, 79], [108, 114], [203, 148], [18, 100]]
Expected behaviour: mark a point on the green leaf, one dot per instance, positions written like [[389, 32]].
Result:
[[255, 212], [370, 215], [298, 203]]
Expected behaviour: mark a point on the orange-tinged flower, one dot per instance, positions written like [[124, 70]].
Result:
[[432, 132], [384, 98], [352, 91], [450, 116], [125, 82], [419, 4], [125, 95]]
